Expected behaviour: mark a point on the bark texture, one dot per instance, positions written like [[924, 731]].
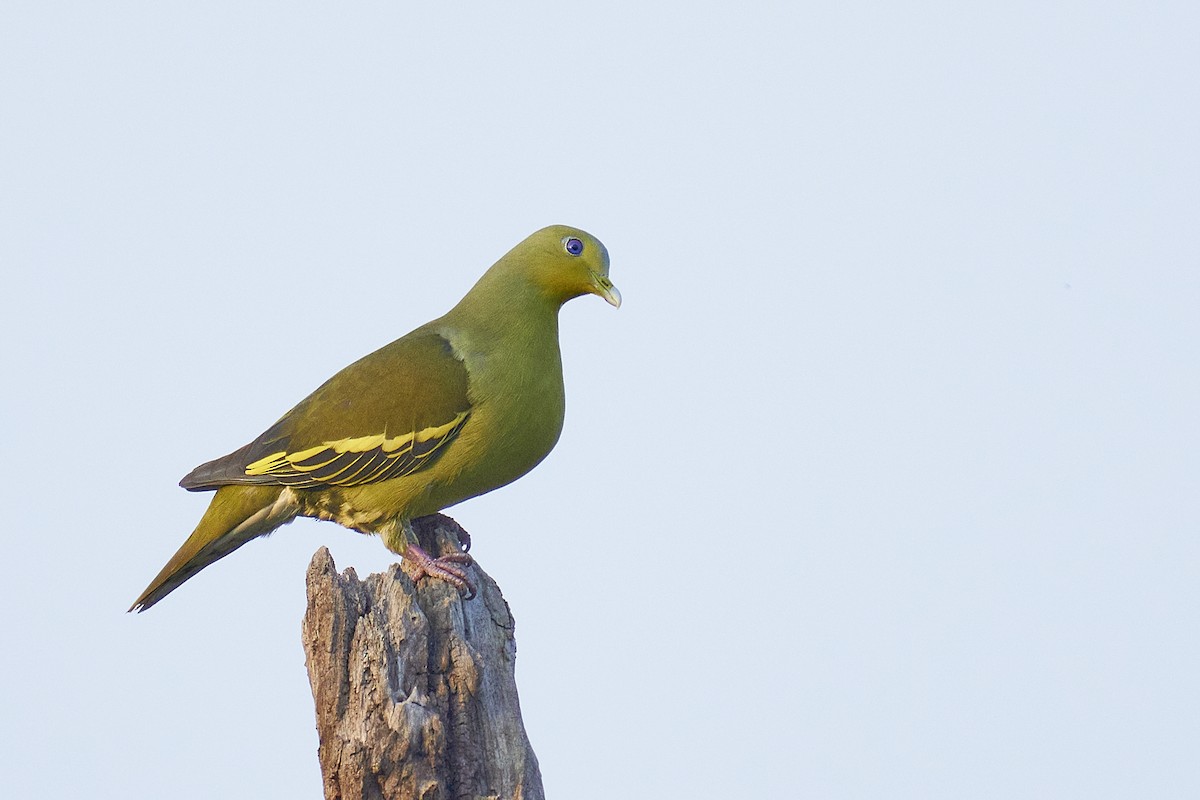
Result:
[[414, 687]]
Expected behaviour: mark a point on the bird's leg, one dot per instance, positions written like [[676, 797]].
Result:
[[417, 563], [449, 568]]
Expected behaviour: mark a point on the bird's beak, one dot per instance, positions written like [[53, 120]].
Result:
[[604, 287]]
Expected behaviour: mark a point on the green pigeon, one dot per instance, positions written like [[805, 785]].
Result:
[[462, 405]]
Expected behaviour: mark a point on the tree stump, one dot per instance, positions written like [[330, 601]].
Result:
[[415, 687]]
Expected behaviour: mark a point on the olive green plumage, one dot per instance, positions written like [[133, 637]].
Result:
[[462, 405]]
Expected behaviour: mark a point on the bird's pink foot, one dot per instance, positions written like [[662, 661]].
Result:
[[449, 568]]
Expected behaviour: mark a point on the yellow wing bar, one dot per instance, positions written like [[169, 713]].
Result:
[[364, 459]]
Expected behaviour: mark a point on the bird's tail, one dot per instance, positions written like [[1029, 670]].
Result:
[[236, 515]]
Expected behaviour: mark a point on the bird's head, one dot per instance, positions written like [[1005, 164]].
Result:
[[565, 262]]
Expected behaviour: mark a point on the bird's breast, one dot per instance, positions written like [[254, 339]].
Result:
[[517, 411]]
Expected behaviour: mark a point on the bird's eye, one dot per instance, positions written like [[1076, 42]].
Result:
[[573, 246]]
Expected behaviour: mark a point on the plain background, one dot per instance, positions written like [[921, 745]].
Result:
[[883, 482]]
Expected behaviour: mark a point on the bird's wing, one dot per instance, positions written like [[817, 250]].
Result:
[[389, 414]]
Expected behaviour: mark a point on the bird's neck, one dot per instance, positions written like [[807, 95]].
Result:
[[500, 310]]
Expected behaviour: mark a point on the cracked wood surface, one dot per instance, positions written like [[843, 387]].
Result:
[[414, 688]]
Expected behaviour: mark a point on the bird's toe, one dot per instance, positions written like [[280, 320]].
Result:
[[449, 568]]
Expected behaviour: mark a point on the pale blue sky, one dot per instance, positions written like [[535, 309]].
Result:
[[882, 483]]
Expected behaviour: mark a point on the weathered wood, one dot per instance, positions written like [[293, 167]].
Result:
[[414, 687]]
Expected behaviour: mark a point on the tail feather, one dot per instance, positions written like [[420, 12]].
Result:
[[236, 515]]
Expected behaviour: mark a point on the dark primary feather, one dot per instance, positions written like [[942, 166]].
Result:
[[222, 471]]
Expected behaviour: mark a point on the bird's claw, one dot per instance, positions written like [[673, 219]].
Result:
[[464, 539], [449, 568]]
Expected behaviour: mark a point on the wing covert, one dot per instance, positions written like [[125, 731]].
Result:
[[351, 462], [389, 414]]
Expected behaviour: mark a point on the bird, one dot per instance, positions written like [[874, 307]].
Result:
[[462, 405]]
